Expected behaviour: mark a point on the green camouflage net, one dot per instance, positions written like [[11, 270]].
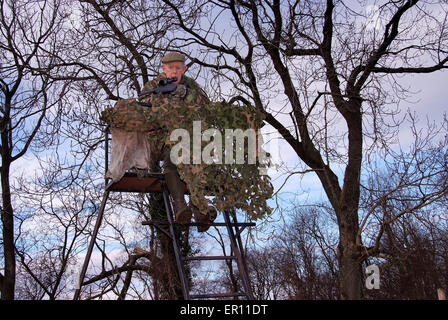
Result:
[[239, 185], [128, 115], [224, 185]]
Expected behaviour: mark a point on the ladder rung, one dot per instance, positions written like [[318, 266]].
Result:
[[222, 224], [217, 295], [210, 258], [215, 224]]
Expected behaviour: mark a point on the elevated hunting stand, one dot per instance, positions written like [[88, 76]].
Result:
[[155, 182]]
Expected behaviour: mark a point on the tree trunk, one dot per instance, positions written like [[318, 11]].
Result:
[[349, 253], [167, 275], [7, 290], [349, 260], [173, 284]]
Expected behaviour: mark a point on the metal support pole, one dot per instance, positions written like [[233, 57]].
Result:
[[240, 243], [180, 265], [91, 244], [240, 260], [106, 154]]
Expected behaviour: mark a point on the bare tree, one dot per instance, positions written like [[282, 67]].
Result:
[[404, 216], [60, 60], [109, 50], [27, 102], [413, 258], [404, 182], [320, 75], [299, 262], [324, 78], [266, 277]]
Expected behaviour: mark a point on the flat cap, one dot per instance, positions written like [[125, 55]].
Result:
[[173, 56]]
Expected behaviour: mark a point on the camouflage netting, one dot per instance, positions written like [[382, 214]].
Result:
[[225, 186], [128, 115]]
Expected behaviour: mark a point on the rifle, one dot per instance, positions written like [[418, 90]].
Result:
[[165, 86]]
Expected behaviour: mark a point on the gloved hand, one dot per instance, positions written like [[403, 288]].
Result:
[[180, 92]]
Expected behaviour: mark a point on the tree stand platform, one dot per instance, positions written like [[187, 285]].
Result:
[[155, 182]]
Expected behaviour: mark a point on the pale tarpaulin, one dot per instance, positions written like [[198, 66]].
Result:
[[129, 149]]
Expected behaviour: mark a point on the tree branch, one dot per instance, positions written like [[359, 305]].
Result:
[[125, 41], [390, 33], [441, 65]]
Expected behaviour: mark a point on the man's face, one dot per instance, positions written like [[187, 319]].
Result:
[[174, 69]]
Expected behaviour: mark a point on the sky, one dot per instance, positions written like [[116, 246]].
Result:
[[430, 101]]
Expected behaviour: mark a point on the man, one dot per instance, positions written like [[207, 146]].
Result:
[[173, 65]]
